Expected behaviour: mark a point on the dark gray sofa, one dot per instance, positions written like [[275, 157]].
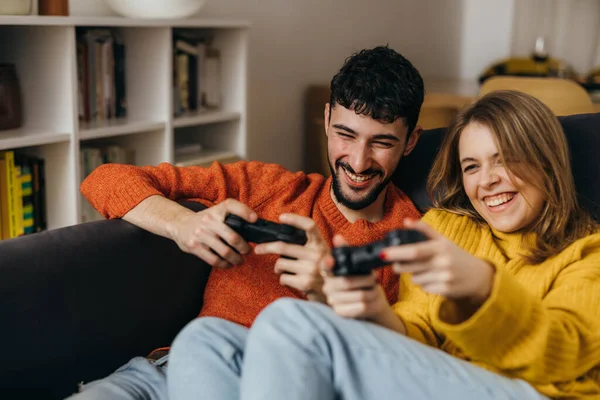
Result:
[[77, 302]]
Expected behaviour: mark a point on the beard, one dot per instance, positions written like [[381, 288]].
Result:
[[367, 199]]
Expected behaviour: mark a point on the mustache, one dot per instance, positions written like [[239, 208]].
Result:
[[369, 171]]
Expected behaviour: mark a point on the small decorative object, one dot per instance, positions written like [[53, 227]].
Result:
[[156, 9], [10, 98], [15, 7], [53, 7]]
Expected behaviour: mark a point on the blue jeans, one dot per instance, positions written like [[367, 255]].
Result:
[[139, 379], [302, 350]]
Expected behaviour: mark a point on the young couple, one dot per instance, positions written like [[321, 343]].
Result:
[[499, 303]]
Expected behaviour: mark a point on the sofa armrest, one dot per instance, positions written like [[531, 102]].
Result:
[[77, 302]]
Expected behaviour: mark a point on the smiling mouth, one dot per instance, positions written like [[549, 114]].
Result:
[[498, 200], [359, 178]]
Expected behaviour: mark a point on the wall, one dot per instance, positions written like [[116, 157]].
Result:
[[297, 43], [486, 34], [571, 29]]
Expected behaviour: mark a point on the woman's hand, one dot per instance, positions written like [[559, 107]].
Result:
[[441, 267], [356, 296], [301, 269]]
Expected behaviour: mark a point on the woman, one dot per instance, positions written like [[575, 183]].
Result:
[[503, 301]]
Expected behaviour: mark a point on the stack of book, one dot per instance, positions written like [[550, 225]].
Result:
[[22, 195], [196, 74], [91, 158], [100, 75]]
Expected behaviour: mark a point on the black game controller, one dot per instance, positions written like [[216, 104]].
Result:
[[361, 260], [263, 231]]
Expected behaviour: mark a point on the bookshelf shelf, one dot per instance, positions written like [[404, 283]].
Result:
[[132, 84], [204, 118], [40, 20], [116, 127], [19, 138]]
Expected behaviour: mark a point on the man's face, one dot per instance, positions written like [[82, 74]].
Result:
[[363, 154]]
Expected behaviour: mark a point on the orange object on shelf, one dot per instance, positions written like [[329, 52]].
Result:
[[53, 7]]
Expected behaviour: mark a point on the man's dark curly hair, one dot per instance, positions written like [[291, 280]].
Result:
[[379, 83]]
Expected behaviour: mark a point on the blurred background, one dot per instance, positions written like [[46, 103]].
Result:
[[294, 44]]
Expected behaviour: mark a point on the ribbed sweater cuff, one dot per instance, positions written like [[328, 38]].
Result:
[[496, 325], [126, 196]]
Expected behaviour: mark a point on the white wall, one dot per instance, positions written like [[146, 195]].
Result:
[[571, 29], [486, 34], [297, 43]]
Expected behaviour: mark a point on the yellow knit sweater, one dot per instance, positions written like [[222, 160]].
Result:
[[541, 322]]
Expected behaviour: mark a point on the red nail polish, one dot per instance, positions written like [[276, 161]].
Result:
[[382, 255]]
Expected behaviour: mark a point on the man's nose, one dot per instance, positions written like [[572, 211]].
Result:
[[360, 158]]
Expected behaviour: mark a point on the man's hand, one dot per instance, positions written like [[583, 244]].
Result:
[[301, 270], [205, 235]]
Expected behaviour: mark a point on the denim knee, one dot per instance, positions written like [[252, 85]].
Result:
[[290, 316], [199, 330]]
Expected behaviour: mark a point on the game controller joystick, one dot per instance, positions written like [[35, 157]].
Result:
[[361, 260], [263, 231]]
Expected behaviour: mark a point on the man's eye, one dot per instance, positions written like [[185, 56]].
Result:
[[345, 135], [383, 144]]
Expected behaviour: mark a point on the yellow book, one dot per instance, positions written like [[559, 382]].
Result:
[[4, 229], [9, 158], [19, 201]]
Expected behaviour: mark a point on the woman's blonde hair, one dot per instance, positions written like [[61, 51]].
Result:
[[533, 147]]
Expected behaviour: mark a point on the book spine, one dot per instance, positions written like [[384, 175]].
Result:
[[9, 157]]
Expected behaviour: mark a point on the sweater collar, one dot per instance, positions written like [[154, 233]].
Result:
[[514, 244], [397, 206]]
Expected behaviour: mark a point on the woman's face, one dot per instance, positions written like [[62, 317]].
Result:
[[506, 204]]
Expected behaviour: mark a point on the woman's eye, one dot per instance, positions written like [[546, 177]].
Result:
[[468, 168]]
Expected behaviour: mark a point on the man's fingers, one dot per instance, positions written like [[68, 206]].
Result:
[[223, 250], [289, 250], [208, 256], [304, 283], [232, 206], [305, 223], [231, 237], [297, 267]]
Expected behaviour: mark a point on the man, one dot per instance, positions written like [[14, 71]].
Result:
[[370, 124]]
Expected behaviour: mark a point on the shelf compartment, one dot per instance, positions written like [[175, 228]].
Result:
[[18, 138], [205, 117], [206, 157], [116, 127]]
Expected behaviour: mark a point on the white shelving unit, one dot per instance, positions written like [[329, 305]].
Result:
[[44, 52]]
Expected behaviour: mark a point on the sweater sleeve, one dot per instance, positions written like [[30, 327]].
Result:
[[412, 308], [414, 304], [548, 340], [114, 189]]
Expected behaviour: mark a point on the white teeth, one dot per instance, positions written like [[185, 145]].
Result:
[[358, 178], [495, 201]]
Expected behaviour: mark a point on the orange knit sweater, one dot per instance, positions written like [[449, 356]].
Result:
[[240, 293]]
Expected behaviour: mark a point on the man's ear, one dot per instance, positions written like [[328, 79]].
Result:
[[326, 114], [412, 140]]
